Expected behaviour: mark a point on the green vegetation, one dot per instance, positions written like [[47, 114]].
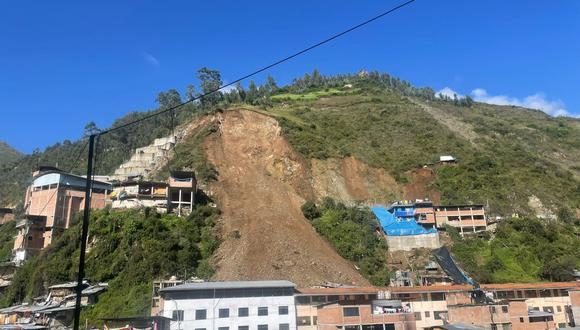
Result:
[[189, 154], [308, 96], [128, 249], [7, 233], [523, 250], [352, 232], [514, 153], [8, 154]]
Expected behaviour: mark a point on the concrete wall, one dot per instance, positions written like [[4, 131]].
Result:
[[407, 243], [575, 305]]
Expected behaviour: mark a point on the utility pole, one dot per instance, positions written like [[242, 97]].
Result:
[[85, 231]]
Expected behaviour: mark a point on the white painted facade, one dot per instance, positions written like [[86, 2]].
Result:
[[204, 313]]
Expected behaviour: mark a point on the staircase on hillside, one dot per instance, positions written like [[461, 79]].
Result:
[[145, 159]]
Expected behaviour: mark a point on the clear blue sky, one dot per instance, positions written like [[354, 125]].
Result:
[[65, 63]]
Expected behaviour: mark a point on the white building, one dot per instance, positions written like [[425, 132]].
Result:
[[239, 305]]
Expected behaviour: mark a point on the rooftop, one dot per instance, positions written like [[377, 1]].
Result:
[[229, 285], [531, 286]]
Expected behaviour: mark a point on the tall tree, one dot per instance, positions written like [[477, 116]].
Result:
[[168, 99], [190, 94], [210, 80]]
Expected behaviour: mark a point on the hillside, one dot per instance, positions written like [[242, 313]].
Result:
[[266, 155], [8, 154]]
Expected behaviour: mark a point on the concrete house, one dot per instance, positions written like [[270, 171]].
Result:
[[50, 203], [240, 305], [408, 225], [468, 219]]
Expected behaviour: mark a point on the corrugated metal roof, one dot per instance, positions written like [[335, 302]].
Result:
[[229, 285]]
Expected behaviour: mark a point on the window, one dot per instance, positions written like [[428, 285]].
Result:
[[243, 327], [561, 325], [243, 312], [224, 312], [223, 328], [531, 294], [418, 316], [199, 328], [427, 314], [282, 310], [262, 311], [262, 327], [351, 327], [438, 314], [437, 296], [545, 293], [521, 320], [318, 299], [492, 308], [303, 300], [424, 297], [284, 326], [332, 298], [548, 309], [389, 326], [200, 314], [350, 311], [177, 315], [303, 320], [314, 320], [559, 309], [372, 327], [504, 309]]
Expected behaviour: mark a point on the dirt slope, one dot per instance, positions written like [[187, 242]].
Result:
[[262, 184], [349, 180]]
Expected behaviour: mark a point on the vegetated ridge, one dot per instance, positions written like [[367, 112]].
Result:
[[263, 153], [8, 154]]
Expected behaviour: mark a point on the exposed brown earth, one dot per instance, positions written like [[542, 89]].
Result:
[[350, 180], [420, 185], [262, 184]]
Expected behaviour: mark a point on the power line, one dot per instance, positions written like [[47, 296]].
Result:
[[327, 40]]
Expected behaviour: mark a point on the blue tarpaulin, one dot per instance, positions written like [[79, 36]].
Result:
[[396, 226]]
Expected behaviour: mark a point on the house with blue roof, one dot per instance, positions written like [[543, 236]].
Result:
[[406, 225]]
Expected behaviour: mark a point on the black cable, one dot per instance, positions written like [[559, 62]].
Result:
[[263, 68]]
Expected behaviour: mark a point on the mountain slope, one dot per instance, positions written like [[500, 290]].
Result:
[[508, 157], [8, 154], [261, 185]]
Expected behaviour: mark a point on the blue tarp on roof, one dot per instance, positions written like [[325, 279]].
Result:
[[393, 226]]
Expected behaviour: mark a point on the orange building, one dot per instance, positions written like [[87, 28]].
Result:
[[544, 305], [52, 200], [468, 219]]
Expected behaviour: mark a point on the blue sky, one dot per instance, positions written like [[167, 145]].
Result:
[[65, 63]]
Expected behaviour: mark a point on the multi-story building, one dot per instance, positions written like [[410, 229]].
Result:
[[30, 238], [528, 306], [408, 226], [182, 189], [468, 219], [176, 195], [549, 297], [241, 305], [51, 201], [136, 194]]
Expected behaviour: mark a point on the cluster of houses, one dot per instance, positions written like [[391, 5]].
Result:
[[409, 225], [263, 305], [55, 310], [54, 197]]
